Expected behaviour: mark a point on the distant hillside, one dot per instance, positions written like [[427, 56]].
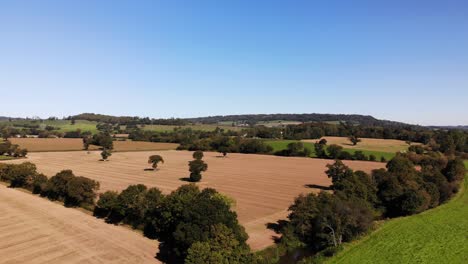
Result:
[[359, 119], [251, 119], [449, 127]]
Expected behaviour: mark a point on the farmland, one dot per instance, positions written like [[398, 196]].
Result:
[[84, 125], [200, 127], [76, 144], [35, 230], [435, 236], [263, 186], [379, 148], [370, 144]]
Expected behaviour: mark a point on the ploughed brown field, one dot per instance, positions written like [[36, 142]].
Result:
[[263, 186], [72, 144], [36, 230]]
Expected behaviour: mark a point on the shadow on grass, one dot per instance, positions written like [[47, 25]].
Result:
[[316, 186]]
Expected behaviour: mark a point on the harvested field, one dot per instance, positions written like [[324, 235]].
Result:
[[36, 230], [262, 185], [373, 144], [75, 144]]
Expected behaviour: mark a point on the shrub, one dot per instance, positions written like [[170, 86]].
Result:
[[81, 191], [57, 186], [39, 183], [21, 175]]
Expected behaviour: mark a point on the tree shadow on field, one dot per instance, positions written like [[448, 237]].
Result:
[[280, 224], [277, 227], [186, 179], [316, 186]]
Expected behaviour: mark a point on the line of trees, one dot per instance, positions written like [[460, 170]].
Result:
[[13, 150], [322, 222], [64, 186], [192, 225]]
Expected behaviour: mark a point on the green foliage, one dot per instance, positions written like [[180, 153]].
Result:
[[198, 155], [12, 150], [105, 154], [297, 149], [104, 140], [21, 175], [39, 183], [220, 247], [197, 166], [334, 151], [64, 186], [154, 160], [326, 220], [81, 191], [354, 139], [186, 222], [434, 236]]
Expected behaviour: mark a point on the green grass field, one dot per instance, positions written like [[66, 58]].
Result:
[[61, 125], [200, 127], [3, 157], [65, 126], [279, 145], [439, 235]]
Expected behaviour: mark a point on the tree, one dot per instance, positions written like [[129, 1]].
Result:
[[320, 149], [196, 167], [154, 160], [22, 174], [131, 204], [198, 155], [455, 170], [354, 139], [72, 122], [221, 247], [325, 220], [39, 183], [338, 171], [57, 186], [107, 205], [86, 142], [334, 151], [106, 154], [81, 191]]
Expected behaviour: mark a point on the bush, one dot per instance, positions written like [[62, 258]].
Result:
[[195, 177], [57, 186], [107, 204], [359, 155], [81, 191], [39, 183], [21, 175]]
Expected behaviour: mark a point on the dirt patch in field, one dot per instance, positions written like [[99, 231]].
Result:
[[36, 230], [373, 144], [263, 186], [76, 144]]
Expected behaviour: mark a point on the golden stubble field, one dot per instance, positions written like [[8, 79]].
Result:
[[76, 144], [372, 144], [36, 230], [263, 186]]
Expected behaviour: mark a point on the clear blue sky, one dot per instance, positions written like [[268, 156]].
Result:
[[398, 60]]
